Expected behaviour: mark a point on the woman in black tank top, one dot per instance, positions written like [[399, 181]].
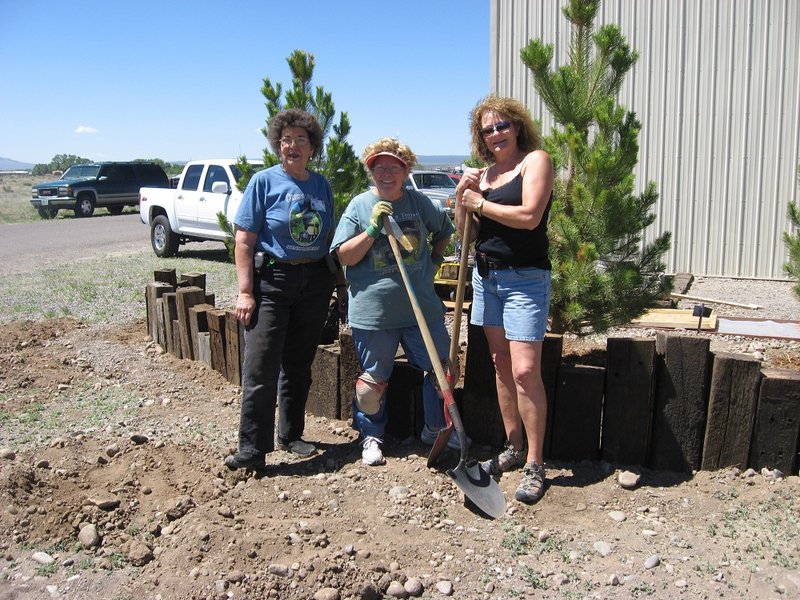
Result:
[[509, 202]]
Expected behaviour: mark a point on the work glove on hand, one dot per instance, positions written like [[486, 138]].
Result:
[[379, 211]]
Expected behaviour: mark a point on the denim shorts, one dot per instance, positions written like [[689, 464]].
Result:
[[517, 299]]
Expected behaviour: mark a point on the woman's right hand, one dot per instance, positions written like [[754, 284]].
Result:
[[245, 307], [379, 211], [470, 180]]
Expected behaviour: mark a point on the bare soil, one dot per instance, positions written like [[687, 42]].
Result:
[[102, 429]]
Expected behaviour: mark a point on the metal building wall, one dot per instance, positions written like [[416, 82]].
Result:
[[717, 89]]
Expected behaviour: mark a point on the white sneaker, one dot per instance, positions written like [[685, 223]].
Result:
[[371, 454], [428, 436]]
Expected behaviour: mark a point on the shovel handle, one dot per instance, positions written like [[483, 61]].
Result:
[[462, 280], [423, 325]]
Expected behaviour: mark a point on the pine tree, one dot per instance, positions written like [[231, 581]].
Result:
[[602, 274], [336, 161], [792, 240]]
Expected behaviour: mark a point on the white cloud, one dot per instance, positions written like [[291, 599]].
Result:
[[85, 129]]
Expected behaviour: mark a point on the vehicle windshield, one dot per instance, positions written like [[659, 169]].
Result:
[[237, 174], [81, 172]]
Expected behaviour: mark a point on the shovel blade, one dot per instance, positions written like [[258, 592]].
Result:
[[439, 444], [480, 488]]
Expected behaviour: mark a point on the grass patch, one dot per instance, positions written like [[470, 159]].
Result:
[[46, 570], [84, 408], [766, 531], [107, 290]]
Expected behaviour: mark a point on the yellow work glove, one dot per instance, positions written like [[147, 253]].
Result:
[[379, 211]]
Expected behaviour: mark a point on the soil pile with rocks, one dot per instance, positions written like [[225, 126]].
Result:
[[112, 486]]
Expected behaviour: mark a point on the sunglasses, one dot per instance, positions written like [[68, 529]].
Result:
[[497, 127]]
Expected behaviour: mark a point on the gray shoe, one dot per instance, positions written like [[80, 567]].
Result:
[[531, 488], [505, 461]]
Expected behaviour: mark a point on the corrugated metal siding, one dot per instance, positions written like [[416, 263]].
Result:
[[717, 89]]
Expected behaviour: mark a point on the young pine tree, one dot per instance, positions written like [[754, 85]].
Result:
[[792, 241], [336, 160], [602, 275]]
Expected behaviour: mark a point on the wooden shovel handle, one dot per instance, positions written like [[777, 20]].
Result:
[[462, 280]]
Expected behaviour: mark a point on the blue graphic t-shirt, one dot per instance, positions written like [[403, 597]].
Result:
[[378, 299], [293, 219]]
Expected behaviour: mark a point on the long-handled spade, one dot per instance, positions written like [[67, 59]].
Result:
[[444, 434], [471, 479]]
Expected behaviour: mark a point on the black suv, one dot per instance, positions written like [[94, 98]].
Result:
[[84, 187]]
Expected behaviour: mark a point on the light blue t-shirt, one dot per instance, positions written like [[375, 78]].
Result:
[[293, 218], [377, 297]]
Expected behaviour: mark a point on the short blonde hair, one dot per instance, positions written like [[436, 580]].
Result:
[[391, 146], [528, 138]]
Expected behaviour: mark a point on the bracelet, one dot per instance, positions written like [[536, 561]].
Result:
[[479, 207]]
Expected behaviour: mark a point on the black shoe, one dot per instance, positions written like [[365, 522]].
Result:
[[298, 447], [245, 461]]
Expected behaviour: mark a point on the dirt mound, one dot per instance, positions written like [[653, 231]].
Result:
[[112, 486]]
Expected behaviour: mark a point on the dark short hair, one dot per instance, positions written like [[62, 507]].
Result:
[[528, 137], [294, 117]]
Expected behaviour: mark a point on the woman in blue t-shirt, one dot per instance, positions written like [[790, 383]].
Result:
[[283, 230], [379, 311]]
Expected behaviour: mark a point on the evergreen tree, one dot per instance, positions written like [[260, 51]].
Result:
[[336, 160], [602, 275], [792, 241]]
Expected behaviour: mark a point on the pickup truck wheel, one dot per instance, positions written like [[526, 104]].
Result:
[[47, 213], [163, 239], [116, 210], [84, 207]]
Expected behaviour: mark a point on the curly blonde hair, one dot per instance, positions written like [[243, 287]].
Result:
[[528, 138], [393, 146]]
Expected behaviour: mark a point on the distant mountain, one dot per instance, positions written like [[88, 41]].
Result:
[[6, 164], [441, 160]]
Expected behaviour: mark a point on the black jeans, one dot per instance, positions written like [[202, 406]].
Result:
[[281, 341]]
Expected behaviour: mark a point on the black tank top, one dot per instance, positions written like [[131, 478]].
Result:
[[517, 247]]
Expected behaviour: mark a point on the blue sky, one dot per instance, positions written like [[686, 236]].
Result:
[[181, 80]]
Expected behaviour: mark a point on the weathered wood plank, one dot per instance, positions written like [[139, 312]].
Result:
[[204, 348], [628, 404], [171, 317], [161, 338], [153, 292], [234, 347], [216, 329], [323, 396], [683, 370], [578, 410], [194, 279], [348, 372], [187, 297], [198, 323], [776, 435], [166, 276], [480, 413], [735, 380]]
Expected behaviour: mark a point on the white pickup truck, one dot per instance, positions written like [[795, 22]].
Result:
[[188, 212]]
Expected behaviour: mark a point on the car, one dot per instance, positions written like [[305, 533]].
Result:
[[82, 188], [437, 186]]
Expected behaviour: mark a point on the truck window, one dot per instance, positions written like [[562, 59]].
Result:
[[215, 173], [192, 177]]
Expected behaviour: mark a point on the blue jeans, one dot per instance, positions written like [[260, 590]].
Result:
[[376, 352], [281, 340]]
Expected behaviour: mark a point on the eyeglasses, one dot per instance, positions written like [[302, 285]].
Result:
[[298, 141], [497, 127], [393, 170]]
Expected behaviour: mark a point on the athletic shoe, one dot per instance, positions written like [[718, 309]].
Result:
[[297, 447], [505, 461], [428, 436], [371, 453], [531, 488]]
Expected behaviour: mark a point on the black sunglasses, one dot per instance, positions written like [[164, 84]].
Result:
[[499, 127]]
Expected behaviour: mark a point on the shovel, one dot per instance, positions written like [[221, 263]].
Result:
[[471, 479], [444, 434]]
